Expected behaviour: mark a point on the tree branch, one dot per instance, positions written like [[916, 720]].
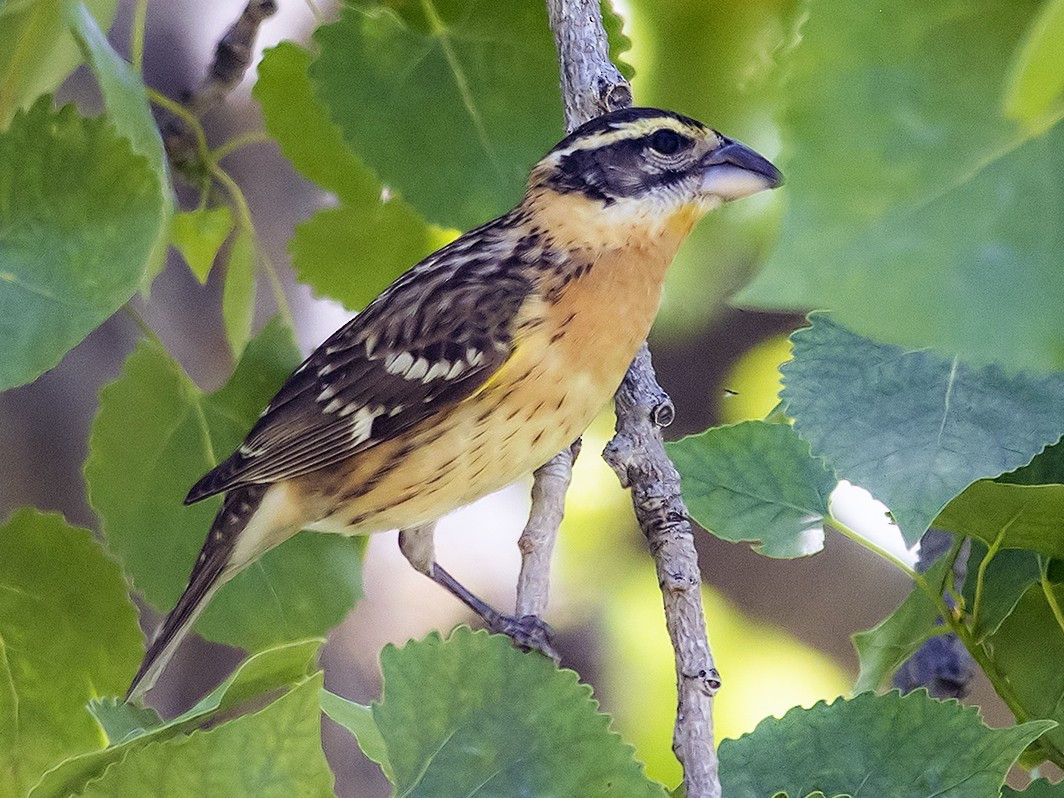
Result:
[[232, 57], [591, 85]]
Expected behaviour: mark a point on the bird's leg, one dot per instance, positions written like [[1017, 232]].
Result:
[[528, 631]]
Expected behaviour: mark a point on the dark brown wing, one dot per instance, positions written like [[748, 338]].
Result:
[[430, 340]]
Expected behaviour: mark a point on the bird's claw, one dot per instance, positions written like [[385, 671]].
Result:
[[528, 632]]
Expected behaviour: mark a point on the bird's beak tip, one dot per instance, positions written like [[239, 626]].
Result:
[[733, 171]]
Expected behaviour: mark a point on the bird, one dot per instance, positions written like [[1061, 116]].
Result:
[[477, 365]]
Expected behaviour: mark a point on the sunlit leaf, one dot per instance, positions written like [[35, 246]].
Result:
[[199, 234], [913, 428], [267, 672], [273, 753], [156, 428], [1037, 79], [68, 632], [80, 214], [37, 51], [352, 252], [238, 296]]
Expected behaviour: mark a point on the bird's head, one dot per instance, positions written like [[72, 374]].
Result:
[[647, 164]]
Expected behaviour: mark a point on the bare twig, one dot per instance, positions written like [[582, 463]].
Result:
[[537, 539], [232, 57], [591, 85]]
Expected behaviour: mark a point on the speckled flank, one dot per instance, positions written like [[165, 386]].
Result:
[[622, 283]]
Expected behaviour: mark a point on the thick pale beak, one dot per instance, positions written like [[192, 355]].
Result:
[[733, 171]]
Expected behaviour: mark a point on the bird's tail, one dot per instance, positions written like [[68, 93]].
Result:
[[211, 571]]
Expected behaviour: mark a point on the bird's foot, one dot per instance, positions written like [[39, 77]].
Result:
[[528, 632]]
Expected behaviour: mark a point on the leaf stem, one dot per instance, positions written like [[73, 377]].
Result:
[[189, 118], [980, 577], [1047, 590], [244, 221], [239, 142], [136, 37], [838, 526], [145, 328]]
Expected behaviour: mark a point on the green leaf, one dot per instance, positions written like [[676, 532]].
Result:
[[1027, 651], [352, 252], [1018, 516], [913, 428], [126, 99], [875, 745], [155, 434], [68, 632], [472, 715], [199, 234], [756, 481], [1037, 78], [81, 214], [120, 720], [620, 44], [1046, 468], [301, 125], [270, 671], [1005, 578], [461, 64], [914, 211], [37, 51], [883, 648], [238, 296], [1036, 789], [358, 719], [273, 752]]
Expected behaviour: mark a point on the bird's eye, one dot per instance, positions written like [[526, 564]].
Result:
[[667, 142]]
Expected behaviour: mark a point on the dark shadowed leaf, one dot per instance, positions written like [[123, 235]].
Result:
[[756, 482], [913, 428]]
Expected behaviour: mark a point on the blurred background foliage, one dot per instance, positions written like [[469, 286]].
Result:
[[898, 166]]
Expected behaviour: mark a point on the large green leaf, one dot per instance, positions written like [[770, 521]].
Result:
[[126, 99], [450, 104], [1013, 516], [913, 428], [1036, 789], [756, 481], [155, 434], [1038, 73], [37, 51], [875, 745], [68, 632], [471, 715], [1027, 650], [80, 214], [883, 648], [914, 209], [735, 48], [351, 252], [273, 753], [265, 673]]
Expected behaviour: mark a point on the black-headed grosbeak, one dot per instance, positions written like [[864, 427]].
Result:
[[478, 364]]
